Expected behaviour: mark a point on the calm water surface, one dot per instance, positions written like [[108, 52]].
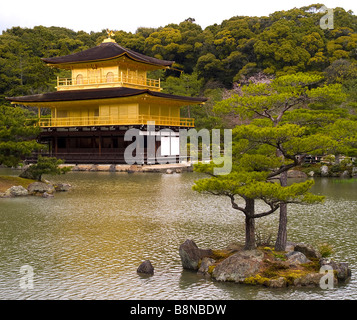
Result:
[[87, 243]]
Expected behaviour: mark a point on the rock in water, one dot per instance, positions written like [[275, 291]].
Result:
[[342, 270], [277, 283], [16, 191], [40, 188], [47, 195], [62, 187], [191, 255], [146, 268]]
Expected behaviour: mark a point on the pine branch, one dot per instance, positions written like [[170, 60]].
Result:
[[235, 205]]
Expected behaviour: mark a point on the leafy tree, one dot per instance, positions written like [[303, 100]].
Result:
[[209, 67], [164, 43], [279, 48], [185, 85], [17, 135], [344, 134], [340, 71], [190, 85]]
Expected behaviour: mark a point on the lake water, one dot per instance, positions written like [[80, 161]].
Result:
[[87, 243]]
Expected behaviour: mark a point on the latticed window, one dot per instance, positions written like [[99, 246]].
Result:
[[79, 79], [110, 77]]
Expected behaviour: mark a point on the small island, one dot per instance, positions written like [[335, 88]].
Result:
[[299, 265], [31, 182]]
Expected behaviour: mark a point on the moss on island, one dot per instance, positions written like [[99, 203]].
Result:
[[276, 269], [300, 265]]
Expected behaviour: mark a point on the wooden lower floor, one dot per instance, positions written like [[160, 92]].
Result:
[[107, 145]]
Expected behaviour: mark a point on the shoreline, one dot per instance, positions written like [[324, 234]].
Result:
[[297, 173], [161, 168]]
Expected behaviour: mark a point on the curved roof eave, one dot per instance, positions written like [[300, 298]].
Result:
[[103, 52], [105, 93]]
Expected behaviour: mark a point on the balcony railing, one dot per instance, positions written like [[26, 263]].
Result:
[[123, 80], [114, 121]]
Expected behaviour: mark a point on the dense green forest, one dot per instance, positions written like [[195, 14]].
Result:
[[221, 54], [215, 61]]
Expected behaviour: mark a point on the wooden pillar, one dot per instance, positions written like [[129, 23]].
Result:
[[67, 144], [93, 144], [100, 145], [50, 147], [56, 145]]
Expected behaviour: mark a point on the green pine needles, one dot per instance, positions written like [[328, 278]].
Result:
[[282, 130]]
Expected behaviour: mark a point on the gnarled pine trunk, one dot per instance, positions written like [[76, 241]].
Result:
[[281, 240], [249, 225]]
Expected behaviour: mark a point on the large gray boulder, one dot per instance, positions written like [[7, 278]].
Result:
[[343, 272], [296, 257], [16, 191], [40, 188], [191, 255], [277, 283], [324, 171], [239, 266], [308, 250], [309, 280], [290, 246]]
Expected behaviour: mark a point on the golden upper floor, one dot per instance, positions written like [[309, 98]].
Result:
[[107, 77], [108, 65], [109, 106]]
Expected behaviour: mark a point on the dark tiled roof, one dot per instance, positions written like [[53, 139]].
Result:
[[106, 51], [90, 94]]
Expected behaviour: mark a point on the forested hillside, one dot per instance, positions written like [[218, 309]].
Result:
[[213, 59]]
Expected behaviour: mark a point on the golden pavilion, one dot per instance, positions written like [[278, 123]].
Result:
[[108, 93]]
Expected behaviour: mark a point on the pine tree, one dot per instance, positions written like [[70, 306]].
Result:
[[271, 144]]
